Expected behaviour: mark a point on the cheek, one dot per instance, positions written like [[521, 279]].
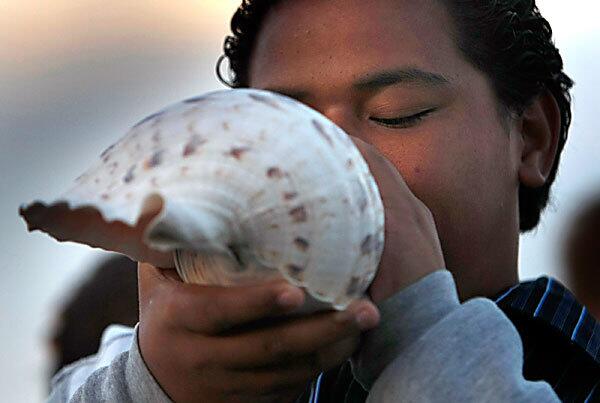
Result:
[[464, 177]]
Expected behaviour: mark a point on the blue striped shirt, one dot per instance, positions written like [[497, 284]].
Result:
[[561, 343]]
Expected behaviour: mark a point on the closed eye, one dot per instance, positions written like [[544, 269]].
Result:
[[402, 121]]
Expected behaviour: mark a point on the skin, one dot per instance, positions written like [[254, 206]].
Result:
[[449, 181], [463, 160]]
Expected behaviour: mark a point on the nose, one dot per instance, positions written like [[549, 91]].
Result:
[[344, 117]]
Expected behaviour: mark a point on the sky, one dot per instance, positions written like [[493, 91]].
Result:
[[76, 74]]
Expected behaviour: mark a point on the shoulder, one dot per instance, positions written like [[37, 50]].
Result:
[[561, 340]]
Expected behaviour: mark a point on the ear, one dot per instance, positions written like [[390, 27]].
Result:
[[540, 131]]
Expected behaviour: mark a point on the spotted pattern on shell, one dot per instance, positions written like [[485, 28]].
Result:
[[155, 160], [343, 136], [193, 155], [362, 198], [257, 195], [129, 176], [265, 100], [363, 204], [294, 270], [148, 119], [190, 112], [107, 150], [274, 172], [379, 241], [192, 145], [322, 132], [237, 152], [353, 287], [195, 100], [113, 167], [302, 244], [367, 245], [299, 214], [191, 128], [290, 195]]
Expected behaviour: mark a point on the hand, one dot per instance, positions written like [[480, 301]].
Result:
[[231, 344], [412, 248]]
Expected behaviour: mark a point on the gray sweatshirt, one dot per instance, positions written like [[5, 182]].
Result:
[[428, 348]]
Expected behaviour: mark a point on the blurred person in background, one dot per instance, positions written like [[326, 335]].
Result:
[[468, 101], [107, 296], [582, 256]]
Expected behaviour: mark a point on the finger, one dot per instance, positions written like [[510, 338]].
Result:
[[215, 309], [152, 282], [281, 396], [299, 337], [289, 375]]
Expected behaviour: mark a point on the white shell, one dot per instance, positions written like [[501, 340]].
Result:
[[243, 185]]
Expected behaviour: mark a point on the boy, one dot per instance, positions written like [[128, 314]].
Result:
[[468, 102]]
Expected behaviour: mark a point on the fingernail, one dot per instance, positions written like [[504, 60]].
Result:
[[289, 299], [366, 320]]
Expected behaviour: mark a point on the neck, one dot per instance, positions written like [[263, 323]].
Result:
[[486, 274]]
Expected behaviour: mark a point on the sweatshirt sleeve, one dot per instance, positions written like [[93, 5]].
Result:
[[125, 379], [431, 348]]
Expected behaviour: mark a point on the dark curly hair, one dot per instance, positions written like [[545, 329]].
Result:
[[508, 40]]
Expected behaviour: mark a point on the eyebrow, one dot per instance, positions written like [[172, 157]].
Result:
[[381, 80], [392, 77]]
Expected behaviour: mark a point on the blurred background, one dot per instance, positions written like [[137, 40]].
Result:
[[76, 74]]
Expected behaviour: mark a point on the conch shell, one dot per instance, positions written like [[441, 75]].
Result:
[[232, 187]]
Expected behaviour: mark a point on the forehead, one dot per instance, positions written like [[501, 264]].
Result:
[[331, 40]]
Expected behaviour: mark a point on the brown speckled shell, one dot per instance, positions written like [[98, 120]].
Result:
[[232, 187]]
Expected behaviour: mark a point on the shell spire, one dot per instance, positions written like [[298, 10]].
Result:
[[232, 187]]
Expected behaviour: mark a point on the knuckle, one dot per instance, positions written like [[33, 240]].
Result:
[[280, 384], [269, 398], [215, 316], [182, 352], [168, 305], [276, 349], [315, 362], [200, 360], [195, 355], [350, 345], [270, 387], [334, 354], [265, 299], [269, 300], [260, 386]]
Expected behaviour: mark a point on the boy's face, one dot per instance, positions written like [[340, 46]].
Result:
[[390, 73]]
